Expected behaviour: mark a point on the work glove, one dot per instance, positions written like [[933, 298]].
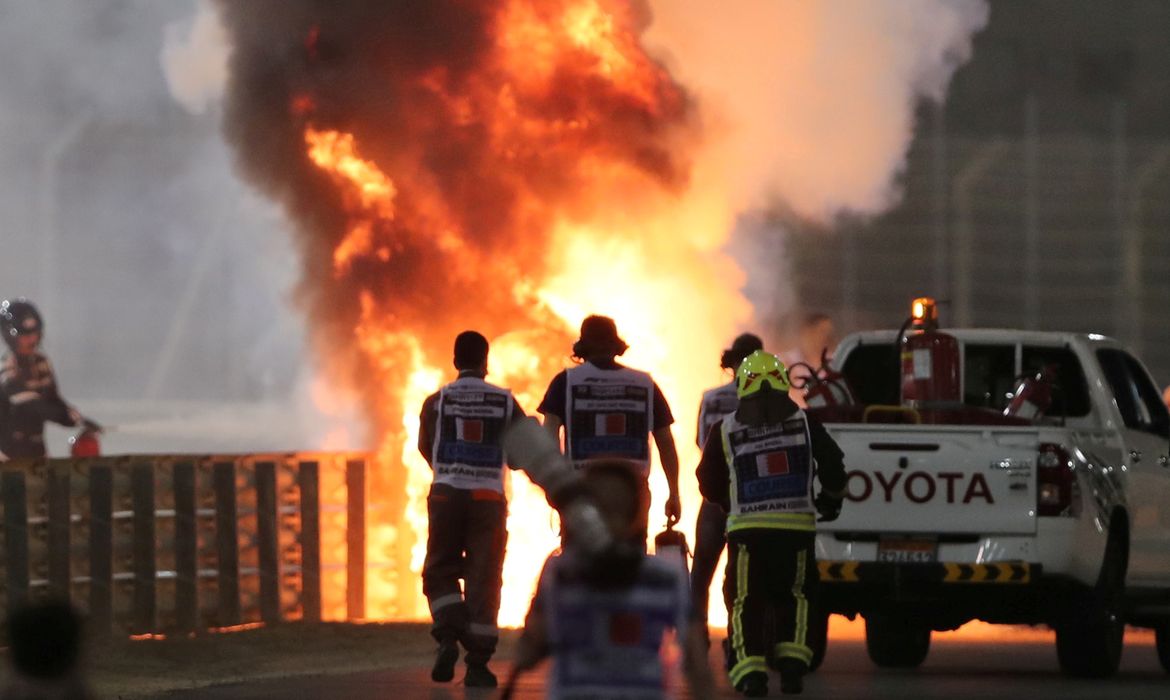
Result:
[[828, 507]]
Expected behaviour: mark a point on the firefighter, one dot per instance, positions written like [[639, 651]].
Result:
[[760, 470], [606, 635], [610, 411], [460, 431], [710, 530], [28, 387]]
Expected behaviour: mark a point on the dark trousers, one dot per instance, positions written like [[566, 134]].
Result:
[[467, 536], [768, 571], [710, 537]]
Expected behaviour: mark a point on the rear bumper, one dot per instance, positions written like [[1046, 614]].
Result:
[[894, 576], [947, 595]]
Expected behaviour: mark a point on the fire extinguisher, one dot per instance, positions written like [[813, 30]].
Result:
[[672, 544], [929, 359], [86, 443], [826, 388], [1033, 395]]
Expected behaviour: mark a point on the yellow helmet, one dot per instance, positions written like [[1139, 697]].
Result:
[[761, 368]]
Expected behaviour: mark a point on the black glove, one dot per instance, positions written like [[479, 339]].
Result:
[[90, 425], [828, 507]]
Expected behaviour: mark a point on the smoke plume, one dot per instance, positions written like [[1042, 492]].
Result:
[[808, 108], [813, 103], [487, 148], [194, 59]]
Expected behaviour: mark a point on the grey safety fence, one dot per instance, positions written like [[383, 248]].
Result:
[[167, 544]]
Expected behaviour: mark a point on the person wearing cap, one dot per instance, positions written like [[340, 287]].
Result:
[[28, 387], [758, 466], [610, 411], [460, 432], [710, 529]]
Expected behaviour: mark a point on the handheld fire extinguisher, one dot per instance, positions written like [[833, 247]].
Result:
[[672, 544], [826, 387], [1033, 395], [86, 443], [928, 359]]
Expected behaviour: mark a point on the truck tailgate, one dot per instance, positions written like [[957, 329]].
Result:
[[938, 480]]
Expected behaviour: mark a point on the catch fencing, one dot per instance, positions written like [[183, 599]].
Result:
[[149, 545]]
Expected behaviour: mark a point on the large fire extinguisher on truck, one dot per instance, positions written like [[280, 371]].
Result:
[[929, 359]]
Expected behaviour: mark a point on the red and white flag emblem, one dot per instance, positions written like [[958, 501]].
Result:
[[469, 430], [611, 424], [772, 464]]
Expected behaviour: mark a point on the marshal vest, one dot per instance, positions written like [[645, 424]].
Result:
[[609, 413], [771, 470], [472, 418], [607, 643], [716, 403]]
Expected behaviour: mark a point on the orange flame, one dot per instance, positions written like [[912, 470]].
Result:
[[632, 244]]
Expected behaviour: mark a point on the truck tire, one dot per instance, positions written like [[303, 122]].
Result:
[[818, 638], [894, 642], [1162, 644], [1090, 647]]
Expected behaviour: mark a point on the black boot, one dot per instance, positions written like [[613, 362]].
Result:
[[792, 675], [479, 676], [753, 685], [444, 669]]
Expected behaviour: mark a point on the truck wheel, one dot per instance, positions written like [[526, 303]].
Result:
[[1091, 646], [893, 642], [1162, 643], [818, 638]]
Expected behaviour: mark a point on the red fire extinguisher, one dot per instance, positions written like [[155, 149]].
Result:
[[1033, 395], [86, 442], [825, 387], [929, 359], [672, 544]]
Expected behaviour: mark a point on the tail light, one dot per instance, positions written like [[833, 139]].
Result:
[[1057, 492]]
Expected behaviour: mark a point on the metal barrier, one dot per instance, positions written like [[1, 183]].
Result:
[[177, 544]]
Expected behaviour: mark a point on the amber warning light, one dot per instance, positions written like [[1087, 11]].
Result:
[[924, 311]]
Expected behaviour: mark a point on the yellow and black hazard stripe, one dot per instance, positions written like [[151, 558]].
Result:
[[1000, 572], [838, 570], [1007, 572]]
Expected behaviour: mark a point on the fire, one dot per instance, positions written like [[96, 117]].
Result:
[[536, 172]]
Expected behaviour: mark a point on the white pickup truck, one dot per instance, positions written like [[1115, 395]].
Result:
[[1060, 520]]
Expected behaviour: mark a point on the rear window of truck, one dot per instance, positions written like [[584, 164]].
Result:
[[990, 376]]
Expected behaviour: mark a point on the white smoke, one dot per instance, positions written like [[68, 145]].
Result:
[[164, 281], [813, 103], [194, 58], [808, 108]]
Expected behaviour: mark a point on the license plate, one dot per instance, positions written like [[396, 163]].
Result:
[[908, 551]]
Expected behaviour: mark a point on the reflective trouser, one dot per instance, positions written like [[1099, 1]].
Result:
[[768, 571], [710, 537], [467, 536]]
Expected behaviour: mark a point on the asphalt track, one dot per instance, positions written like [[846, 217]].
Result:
[[1013, 665]]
